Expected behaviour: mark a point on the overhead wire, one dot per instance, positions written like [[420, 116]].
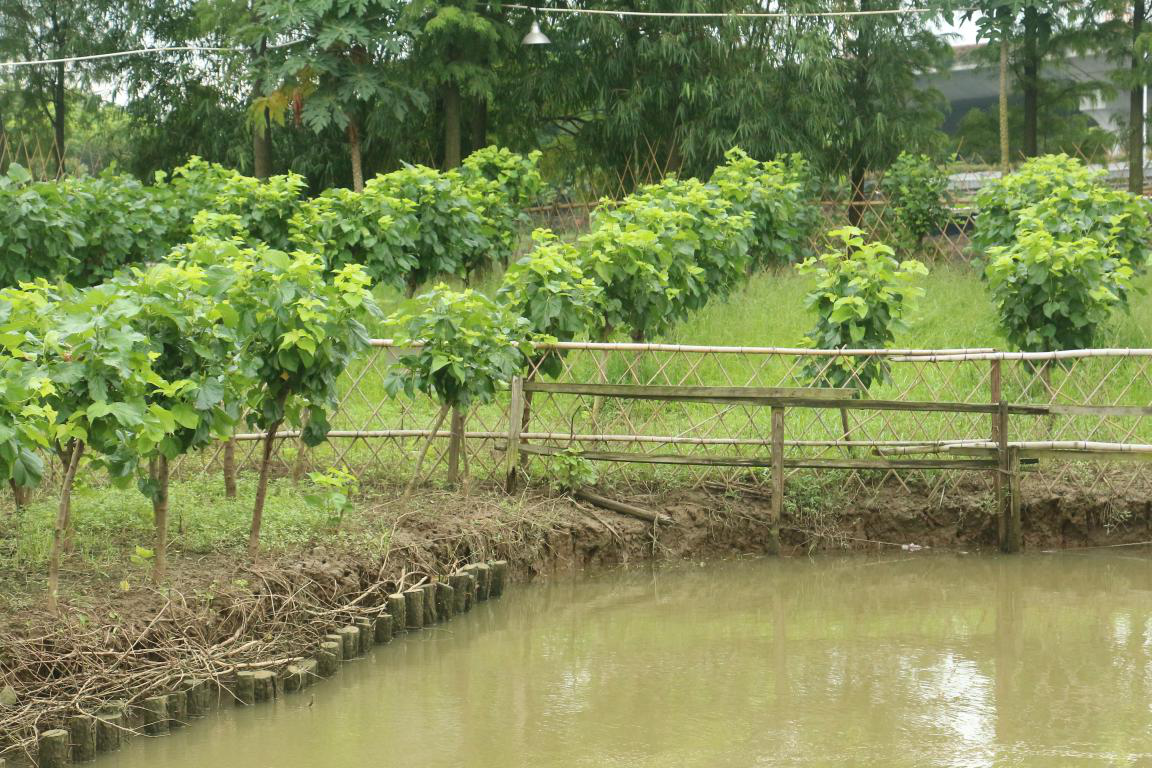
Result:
[[136, 52]]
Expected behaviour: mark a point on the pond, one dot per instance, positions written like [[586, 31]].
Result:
[[908, 660]]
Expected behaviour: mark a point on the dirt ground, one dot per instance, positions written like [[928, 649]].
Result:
[[218, 614]]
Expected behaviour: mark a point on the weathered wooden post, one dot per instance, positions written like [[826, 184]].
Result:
[[328, 658], [483, 576], [264, 685], [82, 733], [199, 697], [445, 601], [499, 577], [383, 628], [1008, 489], [155, 715], [177, 709], [398, 607], [110, 724], [52, 749], [777, 512], [244, 688], [367, 633], [414, 606], [350, 637], [515, 424], [430, 615], [1012, 523], [461, 587]]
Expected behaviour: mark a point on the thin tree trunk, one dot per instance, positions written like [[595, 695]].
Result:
[[1005, 145], [1031, 83], [160, 516], [443, 414], [63, 520], [19, 494], [261, 491], [354, 153], [451, 126], [1136, 107], [59, 118], [262, 148], [479, 138], [230, 468], [261, 143]]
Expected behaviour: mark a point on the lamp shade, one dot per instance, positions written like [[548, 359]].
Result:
[[535, 36]]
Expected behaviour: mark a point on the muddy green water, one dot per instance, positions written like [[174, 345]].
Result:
[[1040, 660]]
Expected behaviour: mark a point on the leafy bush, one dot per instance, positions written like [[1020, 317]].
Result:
[[1001, 204], [550, 289], [263, 210], [717, 241], [862, 295], [917, 193], [1055, 293], [453, 233], [516, 176], [777, 195], [370, 228], [465, 347]]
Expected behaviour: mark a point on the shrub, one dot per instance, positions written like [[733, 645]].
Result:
[[370, 228], [453, 233], [862, 295], [1001, 203], [550, 289], [778, 197], [464, 348], [917, 192], [1055, 293]]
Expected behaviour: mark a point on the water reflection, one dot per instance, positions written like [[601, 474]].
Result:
[[910, 661]]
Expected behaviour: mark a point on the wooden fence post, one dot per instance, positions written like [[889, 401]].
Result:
[[1014, 537], [1007, 499], [995, 396], [515, 422], [777, 479]]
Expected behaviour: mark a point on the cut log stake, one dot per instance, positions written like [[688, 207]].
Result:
[[367, 634], [414, 605], [178, 709], [199, 697], [328, 658], [52, 748], [483, 576], [430, 615], [461, 586], [244, 688], [110, 726], [445, 601], [398, 607], [82, 733], [155, 715], [264, 685], [350, 637], [383, 628], [623, 508], [499, 577]]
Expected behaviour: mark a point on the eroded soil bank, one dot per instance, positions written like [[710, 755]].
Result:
[[217, 614]]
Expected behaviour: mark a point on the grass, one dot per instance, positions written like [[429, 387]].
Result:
[[111, 523]]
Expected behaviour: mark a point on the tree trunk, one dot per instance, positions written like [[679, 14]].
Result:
[[59, 118], [230, 468], [63, 520], [262, 148], [1031, 82], [160, 516], [354, 153], [19, 494], [261, 491], [1005, 146], [1136, 107], [261, 141], [451, 126], [479, 126], [415, 479]]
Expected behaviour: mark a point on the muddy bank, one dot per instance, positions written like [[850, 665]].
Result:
[[217, 615]]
